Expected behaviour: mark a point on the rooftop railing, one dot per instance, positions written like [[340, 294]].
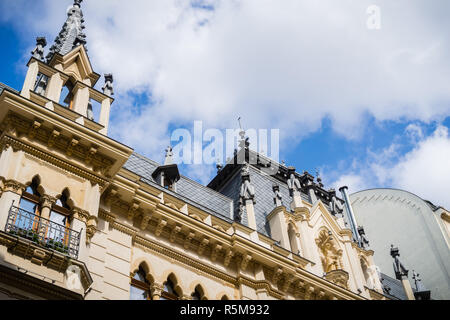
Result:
[[43, 232]]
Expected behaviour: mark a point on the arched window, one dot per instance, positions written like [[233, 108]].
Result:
[[140, 287], [224, 298], [170, 292], [198, 294], [29, 206], [61, 210]]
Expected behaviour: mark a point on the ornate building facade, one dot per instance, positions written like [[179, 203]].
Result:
[[85, 217]]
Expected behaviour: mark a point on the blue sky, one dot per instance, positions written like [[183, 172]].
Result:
[[367, 108]]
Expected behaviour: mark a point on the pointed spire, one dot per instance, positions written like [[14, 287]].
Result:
[[72, 34]]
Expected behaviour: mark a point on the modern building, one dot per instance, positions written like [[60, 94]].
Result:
[[85, 217], [420, 229]]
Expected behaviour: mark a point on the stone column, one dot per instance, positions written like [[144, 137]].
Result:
[[81, 100], [251, 218], [46, 206], [104, 115], [306, 239], [46, 203], [12, 192], [408, 290], [54, 87], [277, 222], [156, 291], [296, 200], [79, 224], [30, 79], [6, 158], [312, 193]]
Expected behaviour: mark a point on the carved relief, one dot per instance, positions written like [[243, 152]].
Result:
[[330, 255]]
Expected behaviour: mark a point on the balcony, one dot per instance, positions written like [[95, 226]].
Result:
[[43, 232]]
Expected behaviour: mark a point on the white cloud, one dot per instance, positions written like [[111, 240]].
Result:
[[278, 64], [424, 170]]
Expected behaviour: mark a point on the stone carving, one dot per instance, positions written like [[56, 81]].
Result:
[[41, 85], [90, 112], [247, 192], [159, 229], [245, 261], [174, 233], [108, 88], [363, 242], [418, 282], [337, 208], [216, 251], [293, 182], [277, 198], [339, 277], [169, 156], [229, 255], [330, 255], [400, 271], [38, 52]]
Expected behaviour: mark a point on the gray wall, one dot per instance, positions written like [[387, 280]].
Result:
[[405, 220]]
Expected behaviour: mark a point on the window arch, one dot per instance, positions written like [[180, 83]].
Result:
[[171, 291], [224, 297], [60, 216], [29, 206], [140, 286], [199, 293]]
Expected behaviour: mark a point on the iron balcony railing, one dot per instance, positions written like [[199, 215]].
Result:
[[43, 232]]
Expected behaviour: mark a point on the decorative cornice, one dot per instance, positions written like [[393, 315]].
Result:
[[17, 145], [13, 186]]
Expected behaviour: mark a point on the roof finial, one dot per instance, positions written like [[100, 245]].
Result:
[[219, 165], [71, 34], [400, 271], [418, 282], [108, 88], [38, 52], [169, 156]]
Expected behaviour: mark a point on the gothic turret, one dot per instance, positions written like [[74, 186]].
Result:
[[72, 34]]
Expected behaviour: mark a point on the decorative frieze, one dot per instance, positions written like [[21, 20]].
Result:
[[7, 141], [17, 126]]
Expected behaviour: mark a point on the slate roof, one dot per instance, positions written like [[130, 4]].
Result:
[[396, 291], [187, 189], [4, 86]]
